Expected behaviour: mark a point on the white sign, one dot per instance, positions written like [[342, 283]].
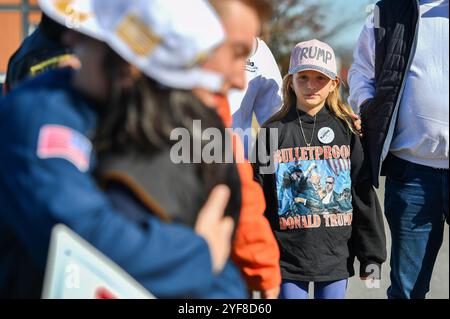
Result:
[[76, 270]]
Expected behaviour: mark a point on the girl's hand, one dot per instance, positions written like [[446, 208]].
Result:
[[357, 124]]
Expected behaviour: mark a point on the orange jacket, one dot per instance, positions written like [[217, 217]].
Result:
[[255, 250]]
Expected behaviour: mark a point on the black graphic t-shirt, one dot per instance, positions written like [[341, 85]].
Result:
[[314, 201]]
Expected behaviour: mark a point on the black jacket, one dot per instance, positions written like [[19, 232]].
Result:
[[319, 240], [395, 38]]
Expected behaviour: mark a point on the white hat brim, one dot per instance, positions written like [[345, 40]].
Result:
[[76, 15]]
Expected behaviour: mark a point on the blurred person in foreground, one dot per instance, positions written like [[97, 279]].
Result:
[[48, 162]]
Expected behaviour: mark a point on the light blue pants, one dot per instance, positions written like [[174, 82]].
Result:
[[322, 290]]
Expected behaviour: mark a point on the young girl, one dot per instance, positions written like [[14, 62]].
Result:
[[320, 201]]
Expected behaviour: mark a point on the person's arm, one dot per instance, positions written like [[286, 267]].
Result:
[[169, 260], [361, 76], [269, 97], [368, 240]]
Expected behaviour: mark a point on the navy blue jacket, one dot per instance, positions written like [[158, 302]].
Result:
[[35, 194], [39, 52]]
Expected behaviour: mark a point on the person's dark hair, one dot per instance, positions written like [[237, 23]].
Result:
[[139, 118]]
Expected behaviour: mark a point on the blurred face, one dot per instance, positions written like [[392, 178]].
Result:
[[89, 77], [312, 89], [242, 25]]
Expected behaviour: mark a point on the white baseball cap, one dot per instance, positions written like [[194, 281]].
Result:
[[166, 39]]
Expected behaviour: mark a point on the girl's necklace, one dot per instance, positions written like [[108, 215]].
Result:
[[301, 127]]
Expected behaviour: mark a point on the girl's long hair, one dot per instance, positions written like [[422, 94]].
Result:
[[333, 102]]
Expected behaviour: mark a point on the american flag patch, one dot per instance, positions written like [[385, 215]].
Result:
[[56, 141]]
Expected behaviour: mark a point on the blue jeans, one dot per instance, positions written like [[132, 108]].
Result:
[[291, 289], [416, 205]]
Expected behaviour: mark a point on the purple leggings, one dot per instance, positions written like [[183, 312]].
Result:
[[291, 289]]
